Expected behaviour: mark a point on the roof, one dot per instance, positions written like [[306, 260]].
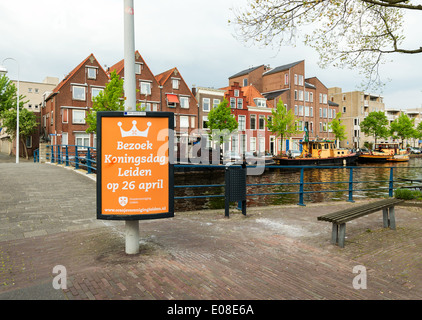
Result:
[[274, 94], [245, 72], [251, 93], [164, 76], [282, 68], [70, 75], [333, 104]]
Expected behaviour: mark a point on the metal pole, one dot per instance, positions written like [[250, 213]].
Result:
[[132, 226]]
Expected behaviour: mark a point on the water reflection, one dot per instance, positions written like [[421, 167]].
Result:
[[369, 176]]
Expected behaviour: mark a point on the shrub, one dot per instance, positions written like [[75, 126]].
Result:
[[407, 194]]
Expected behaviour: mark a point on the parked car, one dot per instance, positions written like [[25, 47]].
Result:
[[414, 150], [293, 153], [252, 158]]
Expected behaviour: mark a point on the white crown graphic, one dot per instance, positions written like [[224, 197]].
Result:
[[134, 132]]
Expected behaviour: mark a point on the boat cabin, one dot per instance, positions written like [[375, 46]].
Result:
[[391, 148], [321, 149]]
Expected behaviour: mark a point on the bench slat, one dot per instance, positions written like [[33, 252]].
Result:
[[342, 216]]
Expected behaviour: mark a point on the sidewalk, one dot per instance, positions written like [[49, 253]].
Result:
[[47, 218]]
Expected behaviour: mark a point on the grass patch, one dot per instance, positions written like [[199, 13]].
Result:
[[407, 194]]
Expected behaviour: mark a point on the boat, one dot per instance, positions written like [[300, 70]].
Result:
[[318, 153], [385, 152]]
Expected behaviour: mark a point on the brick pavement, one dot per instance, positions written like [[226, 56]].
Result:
[[279, 252]]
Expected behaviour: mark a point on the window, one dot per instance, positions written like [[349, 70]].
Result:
[[261, 122], [145, 106], [301, 80], [206, 104], [311, 112], [286, 78], [52, 118], [306, 95], [239, 103], [236, 93], [295, 94], [320, 127], [245, 82], [175, 83], [138, 68], [252, 144], [344, 109], [145, 87], [184, 122], [260, 103], [65, 115], [204, 122], [324, 98], [320, 112], [300, 110], [320, 98], [324, 112], [64, 138], [296, 111], [306, 111], [28, 142], [92, 73], [295, 78], [242, 123], [215, 103], [78, 116], [192, 122], [253, 121], [82, 139], [232, 103], [311, 96], [78, 93], [95, 92], [184, 102]]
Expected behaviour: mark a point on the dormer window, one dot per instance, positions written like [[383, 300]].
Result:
[[260, 102]]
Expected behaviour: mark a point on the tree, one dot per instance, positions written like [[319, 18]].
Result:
[[27, 125], [27, 120], [375, 124], [338, 129], [109, 100], [221, 123], [402, 127], [283, 122], [352, 33]]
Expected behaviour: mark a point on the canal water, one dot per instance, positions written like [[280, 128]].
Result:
[[368, 181]]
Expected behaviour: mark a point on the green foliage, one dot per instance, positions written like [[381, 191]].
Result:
[[407, 194], [221, 123], [109, 100], [402, 128], [375, 124], [282, 122], [338, 129]]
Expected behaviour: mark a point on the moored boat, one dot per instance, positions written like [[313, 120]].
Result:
[[385, 152], [318, 153]]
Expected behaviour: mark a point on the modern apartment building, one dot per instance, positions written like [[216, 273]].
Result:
[[355, 106], [34, 93]]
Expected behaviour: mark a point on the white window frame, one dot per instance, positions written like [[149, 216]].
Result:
[[232, 103], [86, 137], [252, 144], [184, 122], [138, 68], [98, 90], [215, 103], [261, 116], [184, 102], [239, 103], [253, 116], [76, 111], [206, 104], [74, 97], [145, 87], [175, 83], [89, 75], [242, 123]]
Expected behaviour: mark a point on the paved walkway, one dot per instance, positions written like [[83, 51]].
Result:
[[47, 218]]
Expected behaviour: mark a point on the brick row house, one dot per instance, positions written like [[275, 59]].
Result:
[[306, 97], [63, 116], [65, 110]]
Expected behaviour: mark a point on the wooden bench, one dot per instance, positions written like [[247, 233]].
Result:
[[339, 218]]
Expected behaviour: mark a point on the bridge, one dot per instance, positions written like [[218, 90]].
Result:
[[48, 218]]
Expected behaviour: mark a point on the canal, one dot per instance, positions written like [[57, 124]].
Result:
[[365, 176]]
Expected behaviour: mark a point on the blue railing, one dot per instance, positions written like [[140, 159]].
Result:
[[80, 157], [85, 158]]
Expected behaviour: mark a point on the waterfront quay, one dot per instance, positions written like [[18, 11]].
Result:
[[280, 252]]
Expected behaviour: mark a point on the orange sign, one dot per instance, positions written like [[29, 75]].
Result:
[[135, 177]]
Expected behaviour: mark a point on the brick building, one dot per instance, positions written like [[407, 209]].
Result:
[[65, 110], [306, 97]]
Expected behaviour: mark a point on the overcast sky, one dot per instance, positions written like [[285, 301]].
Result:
[[51, 37]]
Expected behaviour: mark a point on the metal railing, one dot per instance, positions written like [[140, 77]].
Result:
[[85, 158]]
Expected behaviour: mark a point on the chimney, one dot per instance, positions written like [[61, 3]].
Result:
[[194, 89]]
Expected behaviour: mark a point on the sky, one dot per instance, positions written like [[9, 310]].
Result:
[[51, 37]]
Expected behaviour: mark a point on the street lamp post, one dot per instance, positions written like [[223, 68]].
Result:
[[3, 71]]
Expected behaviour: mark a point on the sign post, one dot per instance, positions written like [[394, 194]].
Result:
[[134, 168]]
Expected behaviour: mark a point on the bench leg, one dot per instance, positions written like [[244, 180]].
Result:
[[334, 234], [385, 217], [342, 235], [392, 218]]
